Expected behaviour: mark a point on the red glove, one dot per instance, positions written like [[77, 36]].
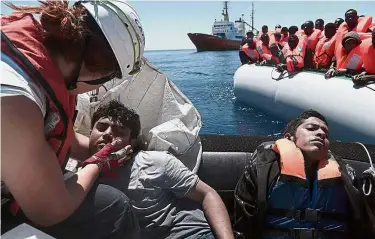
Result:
[[104, 161]]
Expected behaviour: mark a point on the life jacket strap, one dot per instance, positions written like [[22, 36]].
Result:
[[305, 233], [308, 214]]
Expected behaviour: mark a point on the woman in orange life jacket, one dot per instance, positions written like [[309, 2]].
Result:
[[368, 50], [348, 56], [293, 53], [325, 49], [45, 63]]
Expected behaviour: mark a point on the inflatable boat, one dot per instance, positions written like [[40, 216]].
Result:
[[219, 160], [349, 109], [223, 162]]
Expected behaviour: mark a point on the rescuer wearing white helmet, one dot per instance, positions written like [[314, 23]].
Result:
[[45, 63]]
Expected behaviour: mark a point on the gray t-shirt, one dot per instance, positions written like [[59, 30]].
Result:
[[156, 184]]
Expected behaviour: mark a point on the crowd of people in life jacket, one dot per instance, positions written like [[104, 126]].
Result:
[[342, 47]]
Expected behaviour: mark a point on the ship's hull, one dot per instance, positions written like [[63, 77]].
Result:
[[205, 42]]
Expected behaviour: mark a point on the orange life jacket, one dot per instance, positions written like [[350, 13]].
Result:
[[263, 50], [284, 40], [274, 41], [351, 61], [364, 36], [313, 39], [324, 52], [368, 53], [22, 40], [364, 23], [269, 33], [292, 162], [251, 53], [297, 54], [300, 33]]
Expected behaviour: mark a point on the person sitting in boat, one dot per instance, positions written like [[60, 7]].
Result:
[[277, 36], [293, 30], [325, 49], [278, 28], [354, 23], [368, 49], [311, 36], [249, 35], [45, 63], [348, 56], [169, 200], [264, 31], [300, 32], [248, 53], [284, 36], [294, 53], [263, 47], [319, 24], [338, 22], [296, 188], [277, 55]]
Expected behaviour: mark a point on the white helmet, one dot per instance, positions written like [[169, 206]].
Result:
[[121, 26]]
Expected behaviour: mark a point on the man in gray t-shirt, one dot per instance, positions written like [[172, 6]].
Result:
[[169, 200]]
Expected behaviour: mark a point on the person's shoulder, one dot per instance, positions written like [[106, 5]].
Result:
[[266, 145], [264, 153], [153, 158]]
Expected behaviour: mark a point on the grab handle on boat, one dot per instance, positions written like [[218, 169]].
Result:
[[369, 174]]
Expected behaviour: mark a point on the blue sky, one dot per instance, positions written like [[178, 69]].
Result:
[[166, 23]]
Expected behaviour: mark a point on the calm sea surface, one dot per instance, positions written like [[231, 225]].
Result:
[[207, 79]]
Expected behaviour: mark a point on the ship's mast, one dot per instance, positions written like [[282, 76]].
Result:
[[225, 11], [252, 16]]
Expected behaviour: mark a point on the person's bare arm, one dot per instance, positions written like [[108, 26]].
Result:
[[30, 168], [214, 209], [79, 149]]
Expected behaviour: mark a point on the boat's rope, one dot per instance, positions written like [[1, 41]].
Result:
[[283, 74], [368, 175]]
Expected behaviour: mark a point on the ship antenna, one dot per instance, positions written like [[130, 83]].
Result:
[[225, 11], [252, 16]]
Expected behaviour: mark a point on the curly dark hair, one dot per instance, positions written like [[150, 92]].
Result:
[[116, 111], [292, 125]]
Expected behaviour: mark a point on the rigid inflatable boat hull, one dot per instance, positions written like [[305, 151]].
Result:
[[350, 110]]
